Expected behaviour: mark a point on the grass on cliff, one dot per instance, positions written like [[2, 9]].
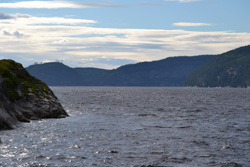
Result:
[[17, 78]]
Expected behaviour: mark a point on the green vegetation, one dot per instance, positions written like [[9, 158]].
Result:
[[17, 78], [167, 72], [230, 69]]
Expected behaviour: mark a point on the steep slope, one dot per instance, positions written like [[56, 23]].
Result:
[[167, 72], [23, 97], [230, 69], [8, 119]]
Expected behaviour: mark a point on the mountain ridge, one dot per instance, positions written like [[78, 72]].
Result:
[[171, 71], [229, 69]]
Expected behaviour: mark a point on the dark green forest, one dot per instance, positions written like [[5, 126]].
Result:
[[167, 72], [230, 69]]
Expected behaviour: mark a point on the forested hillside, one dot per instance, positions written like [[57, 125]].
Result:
[[230, 69], [167, 72]]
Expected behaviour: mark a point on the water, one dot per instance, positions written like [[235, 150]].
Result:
[[137, 127]]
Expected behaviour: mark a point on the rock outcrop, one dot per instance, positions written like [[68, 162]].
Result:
[[7, 117], [24, 98]]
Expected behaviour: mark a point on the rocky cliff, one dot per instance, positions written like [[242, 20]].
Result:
[[24, 98]]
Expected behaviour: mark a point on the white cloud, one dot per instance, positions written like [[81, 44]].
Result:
[[186, 24], [54, 20], [12, 34], [30, 20], [183, 0], [4, 16], [53, 5], [62, 41], [36, 42]]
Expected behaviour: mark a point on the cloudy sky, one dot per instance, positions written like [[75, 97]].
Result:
[[110, 33]]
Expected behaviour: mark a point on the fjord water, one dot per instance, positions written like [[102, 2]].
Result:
[[109, 126]]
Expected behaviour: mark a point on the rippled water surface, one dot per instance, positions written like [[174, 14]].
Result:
[[137, 127]]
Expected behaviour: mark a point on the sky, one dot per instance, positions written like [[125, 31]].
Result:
[[111, 33]]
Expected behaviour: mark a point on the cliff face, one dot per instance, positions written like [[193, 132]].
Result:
[[7, 115], [24, 98]]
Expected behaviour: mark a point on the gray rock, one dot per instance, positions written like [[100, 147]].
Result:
[[32, 99], [8, 119]]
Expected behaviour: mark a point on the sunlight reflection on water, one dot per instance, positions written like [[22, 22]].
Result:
[[136, 127]]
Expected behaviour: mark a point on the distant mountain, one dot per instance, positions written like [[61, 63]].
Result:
[[55, 74], [167, 72], [92, 76], [230, 69]]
